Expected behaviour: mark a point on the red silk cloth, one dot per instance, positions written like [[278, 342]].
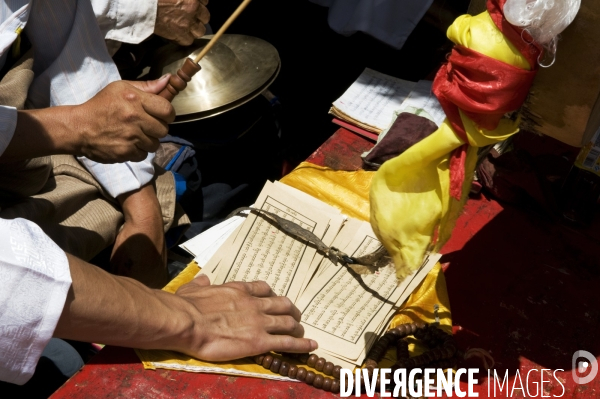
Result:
[[483, 88]]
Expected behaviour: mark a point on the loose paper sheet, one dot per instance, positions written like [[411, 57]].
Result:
[[205, 245], [421, 101], [211, 268], [373, 98], [343, 316]]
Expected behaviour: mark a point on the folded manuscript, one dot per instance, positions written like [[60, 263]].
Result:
[[372, 102], [343, 311]]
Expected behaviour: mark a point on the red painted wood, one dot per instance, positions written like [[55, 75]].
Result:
[[526, 289], [521, 286], [342, 151], [118, 373]]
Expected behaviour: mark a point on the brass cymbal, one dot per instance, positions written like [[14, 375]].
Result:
[[237, 69]]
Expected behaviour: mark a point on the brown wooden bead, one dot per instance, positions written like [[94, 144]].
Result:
[[293, 371], [402, 349], [266, 363], [335, 386], [370, 370], [420, 325], [394, 331], [328, 368], [318, 382], [371, 363], [336, 372], [402, 329], [284, 369], [259, 359], [327, 384], [275, 364], [320, 364], [413, 328], [312, 360], [376, 354], [303, 358], [310, 377], [387, 339], [301, 375]]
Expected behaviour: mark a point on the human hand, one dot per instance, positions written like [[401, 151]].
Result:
[[181, 20], [140, 251], [236, 320], [123, 122]]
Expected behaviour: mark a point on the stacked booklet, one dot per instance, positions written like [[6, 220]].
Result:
[[343, 311], [372, 102]]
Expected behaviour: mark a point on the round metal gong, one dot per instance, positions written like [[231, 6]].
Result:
[[237, 69]]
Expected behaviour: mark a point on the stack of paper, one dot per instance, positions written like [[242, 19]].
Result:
[[371, 101], [343, 311], [374, 99]]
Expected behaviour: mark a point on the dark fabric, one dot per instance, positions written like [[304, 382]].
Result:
[[526, 175], [59, 362], [407, 130]]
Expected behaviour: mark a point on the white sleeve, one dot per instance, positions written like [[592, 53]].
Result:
[[127, 21], [8, 124], [34, 282], [121, 178]]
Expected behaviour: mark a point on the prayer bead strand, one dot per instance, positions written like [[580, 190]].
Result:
[[442, 353]]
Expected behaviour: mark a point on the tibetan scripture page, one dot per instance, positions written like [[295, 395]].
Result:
[[264, 252], [344, 311]]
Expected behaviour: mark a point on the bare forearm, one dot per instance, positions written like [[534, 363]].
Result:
[[214, 323], [139, 250], [42, 132], [120, 311], [141, 205]]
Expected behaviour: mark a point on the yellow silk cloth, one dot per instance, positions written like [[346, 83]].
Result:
[[412, 211], [348, 191]]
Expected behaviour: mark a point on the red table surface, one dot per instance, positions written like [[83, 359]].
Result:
[[520, 286]]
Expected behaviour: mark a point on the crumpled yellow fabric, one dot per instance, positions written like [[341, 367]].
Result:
[[349, 192], [410, 200]]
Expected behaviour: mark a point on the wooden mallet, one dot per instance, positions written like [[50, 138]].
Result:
[[189, 68]]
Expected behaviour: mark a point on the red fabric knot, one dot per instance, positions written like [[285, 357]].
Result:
[[483, 88]]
